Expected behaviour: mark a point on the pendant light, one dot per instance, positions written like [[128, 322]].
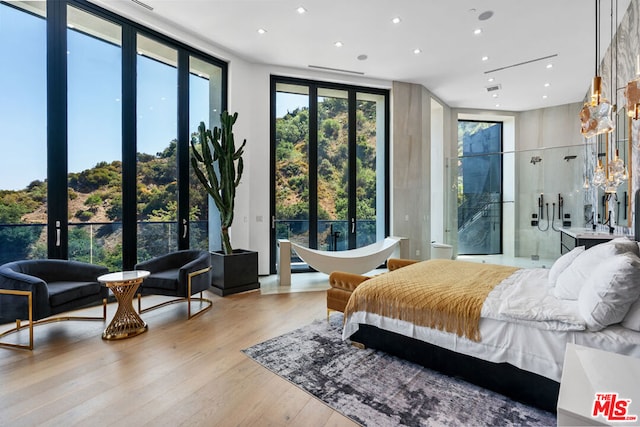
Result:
[[595, 115]]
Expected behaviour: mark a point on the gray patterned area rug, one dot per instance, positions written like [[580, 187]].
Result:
[[375, 389]]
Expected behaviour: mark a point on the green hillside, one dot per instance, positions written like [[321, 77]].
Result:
[[292, 167], [95, 196]]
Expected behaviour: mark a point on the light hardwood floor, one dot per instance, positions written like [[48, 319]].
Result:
[[177, 373]]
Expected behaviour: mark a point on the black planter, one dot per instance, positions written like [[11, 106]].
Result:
[[234, 273]]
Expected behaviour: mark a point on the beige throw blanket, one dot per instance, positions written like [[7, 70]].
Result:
[[441, 294]]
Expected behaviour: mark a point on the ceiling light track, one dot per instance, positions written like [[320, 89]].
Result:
[[338, 70], [521, 63], [139, 3]]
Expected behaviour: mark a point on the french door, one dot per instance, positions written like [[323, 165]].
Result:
[[329, 165]]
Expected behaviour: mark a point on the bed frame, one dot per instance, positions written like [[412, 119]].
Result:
[[523, 386]]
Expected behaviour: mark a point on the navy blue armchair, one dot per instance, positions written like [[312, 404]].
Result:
[[35, 290]]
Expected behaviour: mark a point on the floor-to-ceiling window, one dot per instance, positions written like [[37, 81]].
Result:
[[205, 106], [333, 170], [86, 91], [479, 187], [94, 151], [157, 142], [291, 216], [370, 184], [23, 121], [329, 162]]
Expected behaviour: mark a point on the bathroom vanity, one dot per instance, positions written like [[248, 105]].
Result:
[[573, 237]]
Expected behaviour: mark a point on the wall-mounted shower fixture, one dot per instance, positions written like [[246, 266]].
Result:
[[536, 159], [567, 158], [541, 206], [564, 220], [560, 209]]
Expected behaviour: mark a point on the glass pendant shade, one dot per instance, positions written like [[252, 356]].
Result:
[[599, 176], [610, 186], [595, 116]]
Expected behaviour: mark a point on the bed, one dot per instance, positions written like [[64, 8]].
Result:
[[511, 338]]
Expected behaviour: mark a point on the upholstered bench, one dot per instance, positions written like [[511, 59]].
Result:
[[343, 284]]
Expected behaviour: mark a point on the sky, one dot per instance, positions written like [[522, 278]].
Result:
[[94, 101]]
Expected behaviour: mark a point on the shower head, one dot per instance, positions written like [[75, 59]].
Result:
[[535, 159]]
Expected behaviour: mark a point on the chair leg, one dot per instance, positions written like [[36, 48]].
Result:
[[188, 298], [201, 299], [29, 296], [33, 323]]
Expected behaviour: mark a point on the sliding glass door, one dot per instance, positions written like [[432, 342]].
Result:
[[157, 148], [94, 89], [96, 116], [329, 145], [333, 170], [23, 120], [291, 215]]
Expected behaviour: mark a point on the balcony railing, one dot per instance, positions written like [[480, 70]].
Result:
[[98, 242]]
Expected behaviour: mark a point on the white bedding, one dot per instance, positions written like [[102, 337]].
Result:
[[522, 323]]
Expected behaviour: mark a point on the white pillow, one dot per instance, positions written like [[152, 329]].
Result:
[[632, 319], [571, 280], [607, 295], [624, 244], [562, 263]]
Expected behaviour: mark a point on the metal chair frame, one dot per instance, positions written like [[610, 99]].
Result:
[[32, 323], [188, 298]]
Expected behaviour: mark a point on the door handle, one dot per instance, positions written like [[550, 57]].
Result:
[[273, 221], [353, 225], [184, 228], [57, 233]]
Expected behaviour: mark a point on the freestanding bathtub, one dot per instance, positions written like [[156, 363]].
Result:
[[358, 261]]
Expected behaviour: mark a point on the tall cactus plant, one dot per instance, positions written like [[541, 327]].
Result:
[[217, 148]]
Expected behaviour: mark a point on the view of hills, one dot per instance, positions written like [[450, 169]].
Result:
[[95, 194], [292, 167], [95, 198]]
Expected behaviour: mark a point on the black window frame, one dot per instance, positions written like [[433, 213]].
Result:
[[352, 91], [57, 223]]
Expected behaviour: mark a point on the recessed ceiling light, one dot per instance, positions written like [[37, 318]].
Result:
[[495, 95], [485, 58], [547, 85], [417, 51], [544, 96], [338, 44], [396, 20], [477, 31], [497, 105], [261, 31], [549, 65], [491, 79], [301, 10]]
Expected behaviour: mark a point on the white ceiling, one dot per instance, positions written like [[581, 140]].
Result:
[[450, 65]]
